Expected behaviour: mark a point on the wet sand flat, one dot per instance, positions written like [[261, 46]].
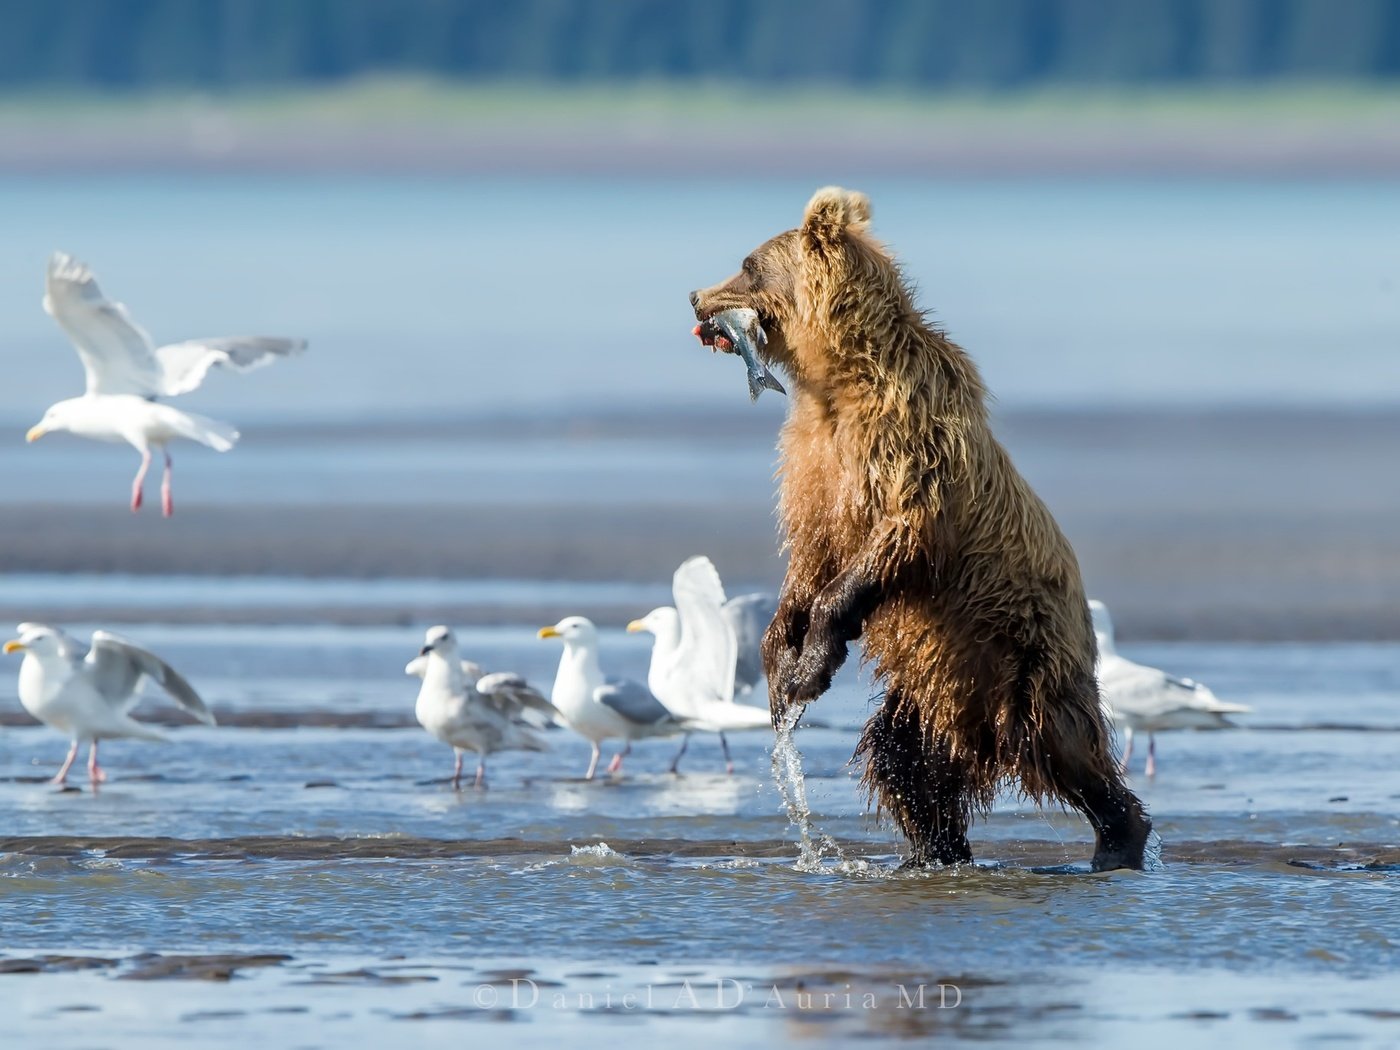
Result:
[[1212, 524]]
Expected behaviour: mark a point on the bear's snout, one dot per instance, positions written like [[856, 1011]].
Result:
[[695, 299]]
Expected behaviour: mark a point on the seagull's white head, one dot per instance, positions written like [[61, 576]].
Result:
[[574, 630], [42, 641], [1103, 626], [61, 416], [439, 640], [664, 623]]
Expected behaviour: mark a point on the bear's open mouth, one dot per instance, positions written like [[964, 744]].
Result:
[[711, 335]]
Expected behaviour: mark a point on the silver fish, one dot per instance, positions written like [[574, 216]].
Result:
[[746, 336]]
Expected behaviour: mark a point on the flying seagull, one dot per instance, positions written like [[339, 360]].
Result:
[[127, 373], [87, 690]]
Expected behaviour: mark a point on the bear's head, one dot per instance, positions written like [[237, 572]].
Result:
[[803, 283]]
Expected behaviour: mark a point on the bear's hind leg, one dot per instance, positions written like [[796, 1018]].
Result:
[[1120, 824], [913, 777]]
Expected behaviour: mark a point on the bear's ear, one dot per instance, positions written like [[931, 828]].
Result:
[[834, 208]]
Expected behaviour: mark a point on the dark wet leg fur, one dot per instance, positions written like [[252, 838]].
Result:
[[1120, 824], [916, 781]]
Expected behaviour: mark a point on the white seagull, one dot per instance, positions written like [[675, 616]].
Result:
[[694, 655], [749, 615], [127, 372], [599, 708], [86, 691], [1148, 700], [475, 712]]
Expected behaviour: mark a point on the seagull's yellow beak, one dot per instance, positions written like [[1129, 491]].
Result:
[[35, 433], [635, 626], [549, 632], [14, 645]]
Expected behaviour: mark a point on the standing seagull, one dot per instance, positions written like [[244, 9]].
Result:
[[1152, 701], [600, 709], [694, 655], [126, 372], [475, 712], [86, 691]]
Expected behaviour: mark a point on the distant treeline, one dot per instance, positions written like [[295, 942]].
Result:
[[899, 44]]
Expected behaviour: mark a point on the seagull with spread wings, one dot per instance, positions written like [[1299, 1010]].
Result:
[[127, 373], [87, 690], [694, 657]]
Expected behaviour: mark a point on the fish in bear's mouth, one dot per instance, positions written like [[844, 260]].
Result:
[[711, 335], [738, 331]]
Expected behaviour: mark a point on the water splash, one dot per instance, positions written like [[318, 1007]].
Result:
[[599, 852], [1152, 853], [813, 845]]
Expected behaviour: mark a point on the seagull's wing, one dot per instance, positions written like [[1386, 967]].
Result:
[[749, 616], [1149, 697], [117, 354], [183, 366], [417, 667], [517, 698], [116, 667], [707, 649], [633, 701]]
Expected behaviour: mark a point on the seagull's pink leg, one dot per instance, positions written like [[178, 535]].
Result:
[[95, 773], [1151, 755], [140, 480], [480, 773], [593, 762], [728, 761], [167, 502], [676, 762], [615, 766], [1127, 751], [61, 776], [457, 771]]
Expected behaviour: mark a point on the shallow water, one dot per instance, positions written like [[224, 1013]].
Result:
[[397, 900]]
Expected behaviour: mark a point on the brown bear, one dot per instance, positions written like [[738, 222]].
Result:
[[905, 522]]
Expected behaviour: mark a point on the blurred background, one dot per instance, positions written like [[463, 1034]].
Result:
[[1166, 230]]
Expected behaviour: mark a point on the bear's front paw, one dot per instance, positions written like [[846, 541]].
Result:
[[812, 675]]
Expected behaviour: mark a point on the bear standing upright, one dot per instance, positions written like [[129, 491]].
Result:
[[905, 522]]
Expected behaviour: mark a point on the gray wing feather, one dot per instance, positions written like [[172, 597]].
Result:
[[117, 666], [633, 701], [184, 365], [117, 353], [518, 698], [750, 615]]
